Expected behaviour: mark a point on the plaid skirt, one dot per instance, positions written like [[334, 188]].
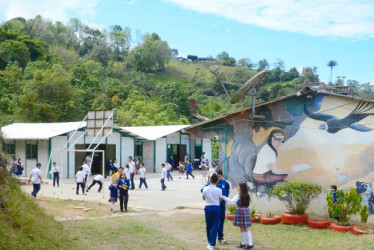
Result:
[[112, 199], [242, 217]]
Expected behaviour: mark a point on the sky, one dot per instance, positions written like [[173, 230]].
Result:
[[302, 33]]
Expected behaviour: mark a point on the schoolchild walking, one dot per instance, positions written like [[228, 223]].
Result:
[[123, 187], [20, 168], [55, 171], [80, 180], [98, 179], [189, 169], [113, 194], [163, 176], [242, 218], [132, 172], [181, 169], [168, 170], [142, 172], [36, 178], [212, 197]]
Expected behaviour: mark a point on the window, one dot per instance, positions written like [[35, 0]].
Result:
[[31, 151], [138, 149], [11, 149]]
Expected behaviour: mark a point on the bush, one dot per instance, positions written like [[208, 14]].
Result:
[[347, 204], [231, 209], [296, 195], [364, 214]]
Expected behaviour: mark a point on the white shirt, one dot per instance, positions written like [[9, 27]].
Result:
[[212, 171], [35, 173], [127, 173], [86, 169], [116, 165], [234, 200], [185, 158], [163, 173], [99, 177], [142, 172], [203, 160], [168, 166], [265, 157], [55, 169], [80, 176], [212, 195], [132, 166], [88, 160]]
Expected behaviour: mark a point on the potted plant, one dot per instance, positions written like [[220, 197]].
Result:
[[270, 219], [363, 229], [231, 209], [297, 197], [347, 204], [253, 215], [319, 223]]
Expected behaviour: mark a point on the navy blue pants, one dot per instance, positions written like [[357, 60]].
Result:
[[56, 177], [143, 180], [212, 214], [36, 189], [132, 181], [221, 221], [168, 175]]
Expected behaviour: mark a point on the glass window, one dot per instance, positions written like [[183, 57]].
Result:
[[31, 151], [11, 149]]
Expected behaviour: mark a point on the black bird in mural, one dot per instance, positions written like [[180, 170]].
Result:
[[333, 124]]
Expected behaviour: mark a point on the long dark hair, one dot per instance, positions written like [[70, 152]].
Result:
[[272, 133], [245, 199]]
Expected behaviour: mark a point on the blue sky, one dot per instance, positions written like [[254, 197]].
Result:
[[300, 32]]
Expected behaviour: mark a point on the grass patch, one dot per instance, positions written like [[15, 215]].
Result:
[[180, 207]]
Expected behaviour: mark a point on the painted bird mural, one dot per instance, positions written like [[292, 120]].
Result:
[[333, 124]]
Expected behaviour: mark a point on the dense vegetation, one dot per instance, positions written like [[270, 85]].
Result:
[[56, 72]]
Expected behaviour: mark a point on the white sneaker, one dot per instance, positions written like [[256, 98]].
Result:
[[210, 247]]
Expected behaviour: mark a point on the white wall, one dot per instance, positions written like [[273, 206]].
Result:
[[60, 156], [148, 155], [115, 139], [127, 149], [160, 153], [43, 154], [173, 138], [207, 148], [185, 139]]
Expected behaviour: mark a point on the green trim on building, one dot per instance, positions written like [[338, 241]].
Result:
[[25, 157], [68, 156], [49, 153], [120, 150]]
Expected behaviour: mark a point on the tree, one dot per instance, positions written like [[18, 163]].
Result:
[[13, 51], [263, 64], [245, 63], [225, 59], [192, 58], [331, 64]]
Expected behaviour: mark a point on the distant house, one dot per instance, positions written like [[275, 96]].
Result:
[[206, 59], [182, 59]]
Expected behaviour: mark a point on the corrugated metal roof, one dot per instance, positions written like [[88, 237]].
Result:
[[38, 131], [152, 132]]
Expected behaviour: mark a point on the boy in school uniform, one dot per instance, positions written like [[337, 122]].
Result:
[[189, 169], [55, 171], [123, 187], [168, 170], [212, 195], [132, 172], [79, 179], [36, 178], [99, 179], [225, 187], [142, 172], [163, 176], [86, 170]]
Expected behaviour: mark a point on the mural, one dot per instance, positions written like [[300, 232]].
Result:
[[320, 138]]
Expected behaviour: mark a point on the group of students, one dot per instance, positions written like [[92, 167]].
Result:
[[17, 168], [215, 194]]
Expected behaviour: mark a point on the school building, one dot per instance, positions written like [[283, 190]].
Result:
[[35, 142]]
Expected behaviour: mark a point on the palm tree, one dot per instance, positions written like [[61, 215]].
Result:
[[332, 64]]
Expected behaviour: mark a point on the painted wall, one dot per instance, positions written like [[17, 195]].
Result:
[[148, 156], [61, 156], [207, 148], [323, 139], [160, 153]]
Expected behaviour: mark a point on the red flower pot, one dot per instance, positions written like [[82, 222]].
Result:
[[357, 230], [254, 220], [318, 223], [293, 219], [338, 228], [230, 216], [270, 221]]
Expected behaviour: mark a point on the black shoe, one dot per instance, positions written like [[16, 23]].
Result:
[[87, 191], [126, 210], [121, 210], [241, 246], [77, 193], [249, 246]]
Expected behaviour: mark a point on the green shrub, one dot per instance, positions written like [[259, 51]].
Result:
[[231, 209], [296, 195], [364, 213], [347, 204], [253, 211]]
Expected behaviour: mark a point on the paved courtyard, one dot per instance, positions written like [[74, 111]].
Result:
[[179, 193]]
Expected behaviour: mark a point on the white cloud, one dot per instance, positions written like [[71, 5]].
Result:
[[337, 18], [51, 9]]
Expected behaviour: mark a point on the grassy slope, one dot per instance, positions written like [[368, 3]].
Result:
[[23, 224]]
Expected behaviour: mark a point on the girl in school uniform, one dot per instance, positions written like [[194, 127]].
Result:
[[181, 169], [123, 186], [242, 217], [113, 194]]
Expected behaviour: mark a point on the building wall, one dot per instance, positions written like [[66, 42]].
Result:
[[148, 156], [207, 148], [318, 138], [127, 149], [60, 156], [160, 153], [43, 153], [173, 138]]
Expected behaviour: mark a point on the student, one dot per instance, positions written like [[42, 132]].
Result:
[[113, 194], [212, 197], [55, 171], [186, 158], [142, 172], [14, 169], [79, 179], [127, 171], [163, 176], [189, 169], [19, 168], [181, 169], [88, 159], [109, 166], [212, 170], [242, 217], [99, 179], [333, 189], [115, 165], [225, 187], [116, 175], [168, 170], [171, 161], [132, 172], [86, 171], [36, 178], [123, 186]]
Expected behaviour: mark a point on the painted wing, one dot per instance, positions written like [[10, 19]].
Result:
[[318, 116], [359, 127]]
